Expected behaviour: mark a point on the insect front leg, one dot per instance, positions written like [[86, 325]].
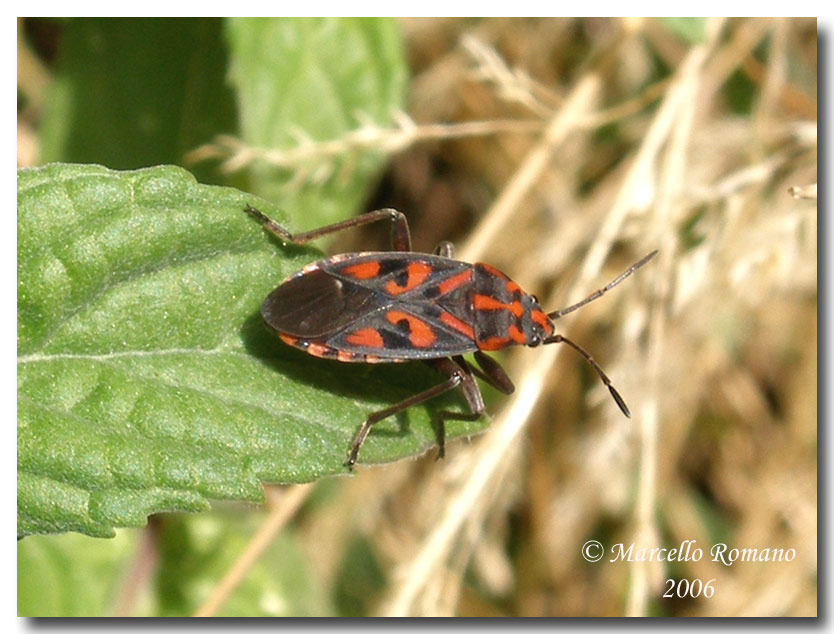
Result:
[[459, 374], [400, 236], [493, 373]]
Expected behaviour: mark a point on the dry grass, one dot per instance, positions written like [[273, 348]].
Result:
[[713, 344]]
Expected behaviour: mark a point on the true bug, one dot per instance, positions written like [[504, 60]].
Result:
[[400, 305]]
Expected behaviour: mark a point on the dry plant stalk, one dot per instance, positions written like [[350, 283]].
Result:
[[282, 508], [237, 156]]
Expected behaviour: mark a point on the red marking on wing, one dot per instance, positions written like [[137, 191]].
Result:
[[421, 335], [417, 274], [362, 271], [365, 338], [453, 322], [456, 281]]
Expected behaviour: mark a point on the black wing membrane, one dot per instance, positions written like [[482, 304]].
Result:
[[317, 304]]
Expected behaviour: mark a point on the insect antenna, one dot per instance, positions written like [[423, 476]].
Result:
[[614, 393], [597, 294]]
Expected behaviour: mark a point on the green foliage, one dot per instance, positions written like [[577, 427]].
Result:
[[740, 93], [75, 575], [197, 551], [146, 380], [360, 579], [315, 78], [135, 92], [690, 30], [70, 575], [131, 93]]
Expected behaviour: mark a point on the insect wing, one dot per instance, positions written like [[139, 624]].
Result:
[[390, 306], [398, 276], [419, 307], [400, 332], [314, 304]]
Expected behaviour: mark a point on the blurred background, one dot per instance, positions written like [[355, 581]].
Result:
[[561, 151]]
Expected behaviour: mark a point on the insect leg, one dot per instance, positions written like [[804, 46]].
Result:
[[493, 373], [400, 236], [445, 249], [471, 392], [458, 375]]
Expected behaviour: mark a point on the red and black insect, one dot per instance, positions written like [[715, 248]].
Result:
[[394, 306]]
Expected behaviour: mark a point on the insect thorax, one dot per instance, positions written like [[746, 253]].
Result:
[[504, 314]]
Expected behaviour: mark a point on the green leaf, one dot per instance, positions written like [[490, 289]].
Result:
[[316, 78], [132, 92], [146, 379], [70, 575]]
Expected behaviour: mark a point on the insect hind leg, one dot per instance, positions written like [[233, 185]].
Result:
[[471, 392]]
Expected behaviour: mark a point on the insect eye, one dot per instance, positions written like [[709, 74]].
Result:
[[535, 298]]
